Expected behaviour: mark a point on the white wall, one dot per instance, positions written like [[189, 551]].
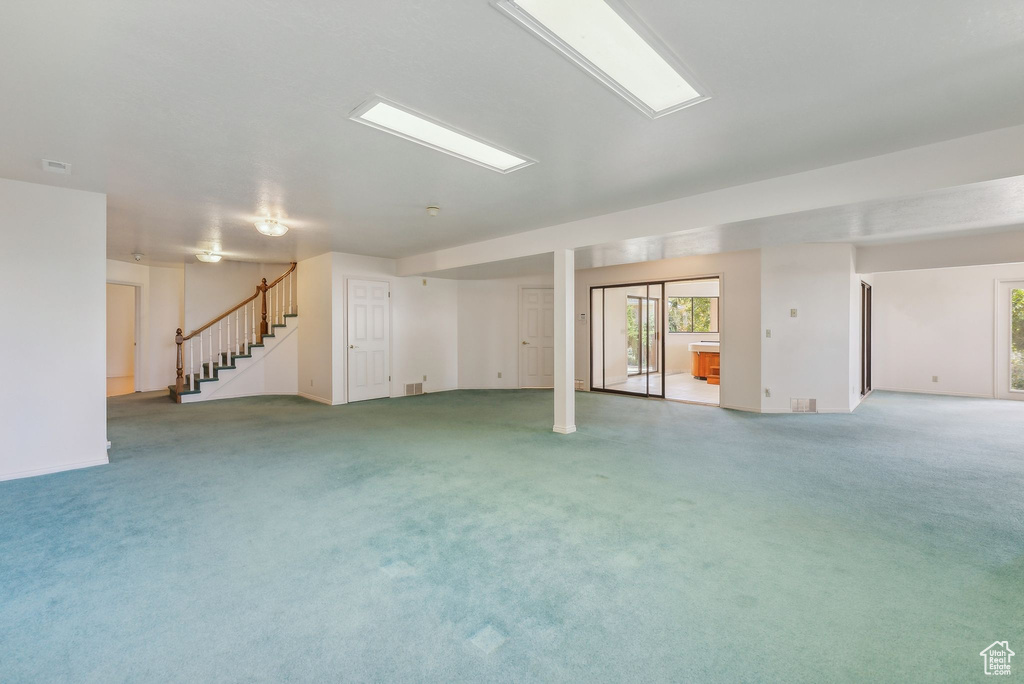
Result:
[[488, 331], [740, 314], [315, 344], [162, 311], [212, 289], [120, 331], [807, 357], [937, 322], [424, 326], [53, 416]]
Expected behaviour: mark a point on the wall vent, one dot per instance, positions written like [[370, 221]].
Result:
[[803, 405], [413, 388], [56, 166]]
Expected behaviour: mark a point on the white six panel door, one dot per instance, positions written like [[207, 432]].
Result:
[[369, 339], [537, 343]]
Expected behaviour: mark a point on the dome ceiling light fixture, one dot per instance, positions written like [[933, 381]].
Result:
[[433, 210], [209, 257], [271, 227]]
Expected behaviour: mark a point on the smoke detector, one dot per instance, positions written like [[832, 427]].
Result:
[[56, 166], [433, 210], [137, 256]]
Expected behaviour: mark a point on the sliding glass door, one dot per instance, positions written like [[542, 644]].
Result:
[[626, 341]]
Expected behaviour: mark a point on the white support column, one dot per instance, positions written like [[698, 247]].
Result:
[[565, 365]]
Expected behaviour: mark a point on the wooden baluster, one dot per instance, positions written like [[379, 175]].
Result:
[[263, 314], [179, 381]]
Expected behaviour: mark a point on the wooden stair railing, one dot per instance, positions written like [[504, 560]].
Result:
[[235, 341]]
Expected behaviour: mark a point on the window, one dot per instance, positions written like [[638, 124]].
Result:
[[693, 314]]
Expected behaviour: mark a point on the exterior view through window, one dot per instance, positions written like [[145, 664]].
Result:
[[692, 314], [1017, 340]]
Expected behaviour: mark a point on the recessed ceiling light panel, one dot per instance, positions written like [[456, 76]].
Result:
[[607, 40], [405, 123]]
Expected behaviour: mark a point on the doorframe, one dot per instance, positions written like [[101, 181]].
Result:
[[391, 337], [137, 333], [720, 276], [590, 326], [996, 394], [519, 328], [866, 328]]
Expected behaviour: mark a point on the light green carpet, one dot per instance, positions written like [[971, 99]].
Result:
[[454, 537]]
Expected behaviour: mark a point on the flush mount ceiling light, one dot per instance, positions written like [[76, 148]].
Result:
[[433, 210], [608, 41], [405, 123], [271, 227], [208, 257]]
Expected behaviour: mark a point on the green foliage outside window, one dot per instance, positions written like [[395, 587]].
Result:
[[1017, 339], [691, 315]]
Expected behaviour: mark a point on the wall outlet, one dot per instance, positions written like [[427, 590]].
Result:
[[768, 333], [424, 378], [311, 382], [499, 375], [767, 392], [792, 313], [935, 378]]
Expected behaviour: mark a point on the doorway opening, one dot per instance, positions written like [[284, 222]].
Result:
[[122, 339], [865, 338], [657, 339], [1010, 339]]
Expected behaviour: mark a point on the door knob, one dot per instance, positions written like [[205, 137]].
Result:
[[525, 342], [351, 346]]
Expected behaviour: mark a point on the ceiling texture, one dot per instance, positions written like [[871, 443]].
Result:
[[197, 117]]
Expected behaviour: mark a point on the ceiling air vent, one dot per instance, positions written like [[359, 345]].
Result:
[[803, 405], [413, 388], [56, 166]]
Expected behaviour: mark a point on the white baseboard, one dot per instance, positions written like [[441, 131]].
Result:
[[54, 469], [748, 409], [564, 429], [319, 400], [934, 392]]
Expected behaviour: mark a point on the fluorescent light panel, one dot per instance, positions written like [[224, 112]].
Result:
[[608, 41], [410, 125]]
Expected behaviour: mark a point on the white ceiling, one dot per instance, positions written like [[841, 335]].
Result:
[[193, 116]]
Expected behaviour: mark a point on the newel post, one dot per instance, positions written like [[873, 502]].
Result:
[[263, 323], [179, 382]]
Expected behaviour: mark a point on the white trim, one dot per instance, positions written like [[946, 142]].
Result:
[[934, 392], [564, 430], [54, 469], [319, 400]]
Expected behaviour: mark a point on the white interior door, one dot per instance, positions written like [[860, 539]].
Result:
[[369, 339], [1010, 339], [537, 337]]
